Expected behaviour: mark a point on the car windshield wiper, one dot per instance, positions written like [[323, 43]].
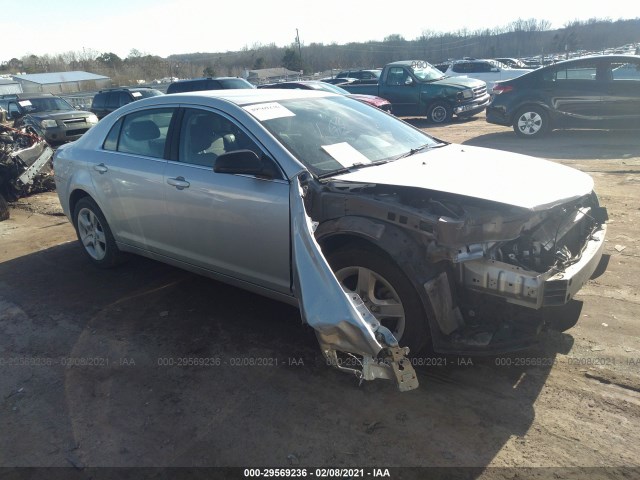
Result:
[[413, 151], [355, 166]]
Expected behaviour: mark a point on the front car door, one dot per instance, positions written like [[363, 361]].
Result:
[[402, 91], [234, 225]]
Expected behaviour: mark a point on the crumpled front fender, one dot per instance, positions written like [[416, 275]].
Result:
[[341, 320]]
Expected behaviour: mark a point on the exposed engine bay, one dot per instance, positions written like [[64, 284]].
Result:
[[485, 260]]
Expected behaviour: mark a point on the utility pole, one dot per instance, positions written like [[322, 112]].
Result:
[[299, 49]]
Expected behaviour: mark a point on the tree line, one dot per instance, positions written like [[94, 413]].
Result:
[[520, 38]]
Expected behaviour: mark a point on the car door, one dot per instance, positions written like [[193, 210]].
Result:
[[403, 92], [621, 102], [574, 92], [235, 225], [127, 174]]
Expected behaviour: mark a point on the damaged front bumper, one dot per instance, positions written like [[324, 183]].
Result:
[[528, 288], [343, 324]]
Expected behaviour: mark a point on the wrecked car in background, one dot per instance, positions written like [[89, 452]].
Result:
[[52, 117], [25, 165], [386, 238]]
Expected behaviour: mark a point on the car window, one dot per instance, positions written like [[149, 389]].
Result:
[[581, 71], [625, 71], [112, 100], [145, 133], [123, 98], [205, 135], [98, 101], [396, 76], [111, 142], [461, 67]]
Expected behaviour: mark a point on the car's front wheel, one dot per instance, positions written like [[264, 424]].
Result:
[[94, 234], [531, 122], [385, 290], [439, 112]]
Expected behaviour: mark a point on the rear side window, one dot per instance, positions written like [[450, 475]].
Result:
[[98, 101], [123, 99], [625, 71], [141, 133], [187, 86]]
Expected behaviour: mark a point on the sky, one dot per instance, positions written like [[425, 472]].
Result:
[[165, 27]]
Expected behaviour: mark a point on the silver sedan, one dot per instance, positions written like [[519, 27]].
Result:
[[386, 238]]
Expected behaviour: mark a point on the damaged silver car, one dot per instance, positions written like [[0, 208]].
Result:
[[386, 238]]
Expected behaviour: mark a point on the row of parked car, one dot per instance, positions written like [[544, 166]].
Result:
[[601, 91], [592, 92]]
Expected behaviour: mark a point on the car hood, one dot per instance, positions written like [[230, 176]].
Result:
[[59, 115], [487, 174], [465, 82]]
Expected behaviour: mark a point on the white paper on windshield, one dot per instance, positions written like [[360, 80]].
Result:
[[268, 111], [24, 103], [345, 154], [136, 94]]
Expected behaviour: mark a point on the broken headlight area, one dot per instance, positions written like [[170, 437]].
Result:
[[557, 241], [25, 163]]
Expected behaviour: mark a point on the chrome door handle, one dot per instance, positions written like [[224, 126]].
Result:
[[101, 168], [180, 183]]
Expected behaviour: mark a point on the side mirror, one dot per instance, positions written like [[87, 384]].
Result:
[[242, 162], [408, 81], [495, 69]]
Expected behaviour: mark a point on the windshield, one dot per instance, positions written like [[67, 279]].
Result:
[[425, 72], [331, 134], [45, 104]]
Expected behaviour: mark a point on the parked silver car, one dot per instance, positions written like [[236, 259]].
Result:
[[385, 237]]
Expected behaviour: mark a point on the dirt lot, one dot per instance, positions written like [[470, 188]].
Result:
[[573, 402]]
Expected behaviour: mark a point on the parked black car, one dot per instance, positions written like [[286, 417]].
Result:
[[106, 101], [592, 92], [218, 83], [52, 117]]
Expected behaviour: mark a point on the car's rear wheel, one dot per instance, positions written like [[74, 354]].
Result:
[[439, 112], [385, 290], [531, 122], [94, 234]]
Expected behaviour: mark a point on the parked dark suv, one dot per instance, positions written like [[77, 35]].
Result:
[[591, 92], [106, 101], [51, 116], [218, 83]]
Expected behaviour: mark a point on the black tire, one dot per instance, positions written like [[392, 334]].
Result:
[[439, 112], [531, 122], [411, 330], [95, 235], [4, 209]]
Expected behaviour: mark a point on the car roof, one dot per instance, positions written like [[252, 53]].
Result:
[[27, 96], [595, 57]]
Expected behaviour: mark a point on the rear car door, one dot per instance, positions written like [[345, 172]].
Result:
[[235, 225], [621, 103], [128, 177]]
